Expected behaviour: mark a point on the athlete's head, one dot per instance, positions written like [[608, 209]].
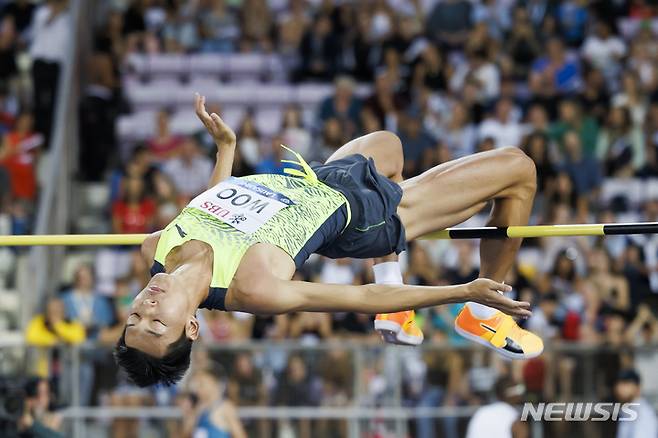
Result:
[[157, 340]]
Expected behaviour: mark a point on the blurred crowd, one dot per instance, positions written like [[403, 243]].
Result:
[[34, 39], [573, 83]]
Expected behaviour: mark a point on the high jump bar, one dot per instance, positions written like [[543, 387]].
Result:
[[450, 233]]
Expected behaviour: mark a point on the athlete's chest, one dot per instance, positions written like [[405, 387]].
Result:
[[265, 258], [244, 205]]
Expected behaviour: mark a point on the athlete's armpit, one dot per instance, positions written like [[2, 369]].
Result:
[[149, 245]]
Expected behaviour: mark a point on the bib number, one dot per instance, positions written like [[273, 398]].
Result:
[[244, 205]]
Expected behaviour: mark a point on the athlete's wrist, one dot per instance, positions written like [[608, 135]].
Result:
[[222, 144], [463, 293]]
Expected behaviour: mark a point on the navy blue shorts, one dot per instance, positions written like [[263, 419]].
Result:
[[375, 229]]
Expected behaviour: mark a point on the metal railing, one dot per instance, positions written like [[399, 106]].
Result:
[[360, 410]]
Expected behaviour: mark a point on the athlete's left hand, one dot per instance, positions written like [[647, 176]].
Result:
[[220, 131], [490, 293]]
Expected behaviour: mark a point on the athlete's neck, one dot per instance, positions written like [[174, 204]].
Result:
[[192, 265]]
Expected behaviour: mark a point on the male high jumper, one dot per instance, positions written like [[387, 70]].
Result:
[[236, 247]]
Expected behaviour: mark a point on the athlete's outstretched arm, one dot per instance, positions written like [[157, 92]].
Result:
[[224, 138], [269, 295]]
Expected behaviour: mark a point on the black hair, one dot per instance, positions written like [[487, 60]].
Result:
[[31, 386], [145, 370], [629, 375]]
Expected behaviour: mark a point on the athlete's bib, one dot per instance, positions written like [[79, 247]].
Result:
[[244, 205]]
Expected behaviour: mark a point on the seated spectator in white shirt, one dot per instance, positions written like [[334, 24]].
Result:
[[502, 128], [604, 50], [189, 171]]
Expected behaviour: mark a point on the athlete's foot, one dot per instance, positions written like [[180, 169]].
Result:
[[500, 333], [399, 328]]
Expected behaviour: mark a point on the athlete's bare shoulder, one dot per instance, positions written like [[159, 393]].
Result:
[[149, 245]]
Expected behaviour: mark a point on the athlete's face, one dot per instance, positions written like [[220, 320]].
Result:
[[158, 315]]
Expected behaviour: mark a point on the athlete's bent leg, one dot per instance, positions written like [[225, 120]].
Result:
[[385, 149], [452, 192]]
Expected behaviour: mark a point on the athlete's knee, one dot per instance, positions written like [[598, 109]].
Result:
[[391, 142], [522, 168]]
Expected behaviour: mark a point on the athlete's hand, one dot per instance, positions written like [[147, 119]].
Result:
[[220, 131], [488, 292]]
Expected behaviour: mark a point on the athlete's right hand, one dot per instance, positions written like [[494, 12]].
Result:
[[220, 131], [488, 292]]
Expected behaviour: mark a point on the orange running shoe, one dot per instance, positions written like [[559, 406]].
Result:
[[500, 333], [399, 328]]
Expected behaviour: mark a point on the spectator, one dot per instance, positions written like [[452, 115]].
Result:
[[415, 141], [481, 71], [500, 418], [292, 26], [228, 326], [164, 144], [134, 24], [37, 418], [122, 300], [140, 165], [271, 162], [572, 17], [309, 327], [502, 127], [134, 211], [459, 135], [628, 390], [632, 97], [522, 45], [386, 101], [595, 96], [256, 24], [449, 22], [430, 70], [219, 28], [343, 106], [318, 50], [293, 132], [332, 138], [246, 387], [20, 12], [604, 50], [215, 416], [51, 329], [572, 118], [297, 386], [189, 170], [18, 154], [249, 141], [611, 287], [621, 144], [50, 35], [98, 111], [556, 73], [8, 106], [537, 119], [179, 31], [168, 201], [641, 62], [536, 147], [8, 67], [545, 317], [84, 305]]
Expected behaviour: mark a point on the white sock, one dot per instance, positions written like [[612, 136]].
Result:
[[481, 311], [387, 273]]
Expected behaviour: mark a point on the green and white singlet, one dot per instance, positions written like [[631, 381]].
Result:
[[237, 213]]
